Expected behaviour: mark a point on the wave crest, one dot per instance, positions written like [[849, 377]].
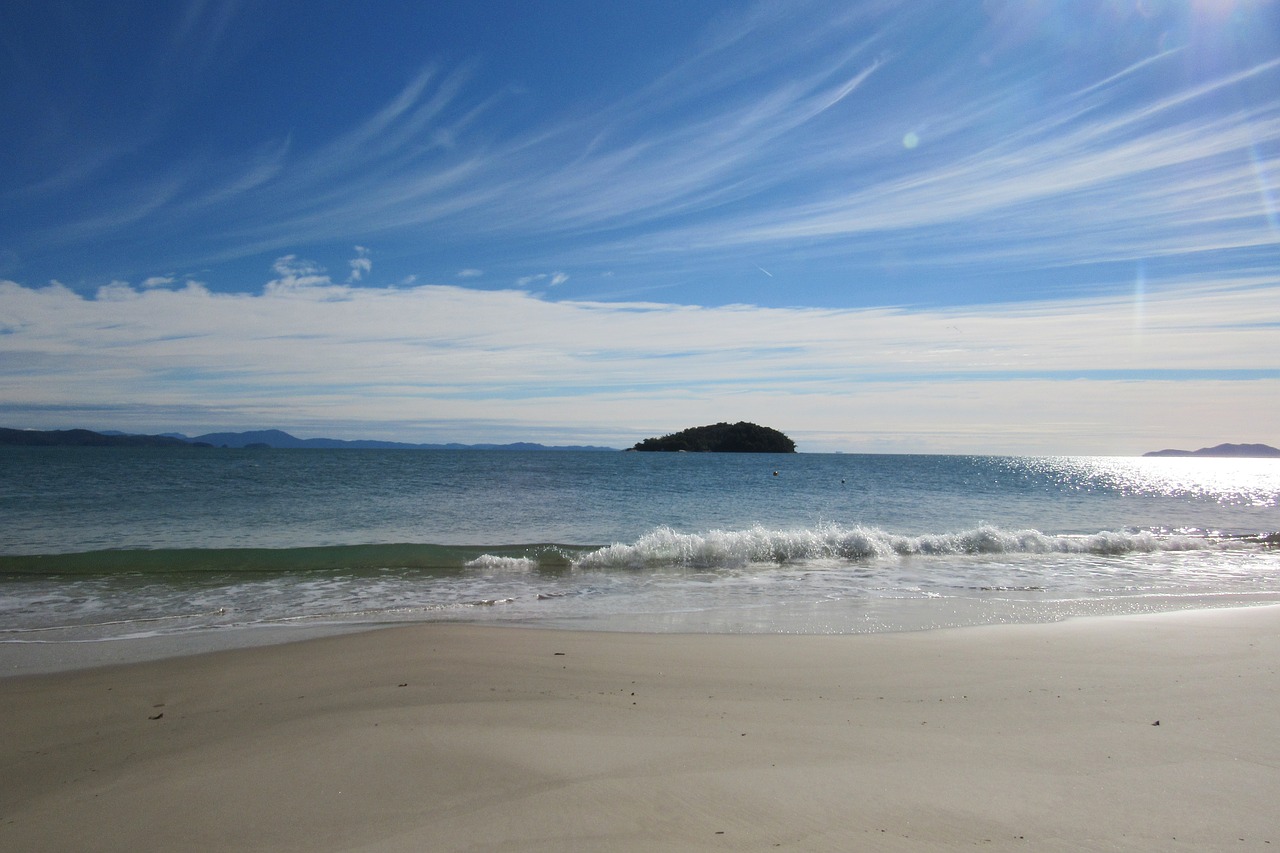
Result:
[[494, 563], [734, 548]]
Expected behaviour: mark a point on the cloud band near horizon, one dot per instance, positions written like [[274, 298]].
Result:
[[1106, 375]]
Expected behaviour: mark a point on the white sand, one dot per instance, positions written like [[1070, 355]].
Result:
[[449, 737]]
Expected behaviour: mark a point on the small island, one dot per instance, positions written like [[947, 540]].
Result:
[[741, 437], [1264, 451]]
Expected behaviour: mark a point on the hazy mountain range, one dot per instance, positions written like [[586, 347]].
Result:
[[271, 438], [274, 438], [1250, 450]]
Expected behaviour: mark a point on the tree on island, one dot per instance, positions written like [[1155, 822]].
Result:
[[741, 437]]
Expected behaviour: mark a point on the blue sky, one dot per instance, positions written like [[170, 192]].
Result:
[[925, 226]]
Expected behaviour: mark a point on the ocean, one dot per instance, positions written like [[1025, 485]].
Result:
[[109, 544]]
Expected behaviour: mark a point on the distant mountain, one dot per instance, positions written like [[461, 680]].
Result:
[[741, 437], [1245, 450], [265, 438], [85, 438], [280, 439]]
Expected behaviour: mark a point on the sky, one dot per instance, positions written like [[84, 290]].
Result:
[[921, 226]]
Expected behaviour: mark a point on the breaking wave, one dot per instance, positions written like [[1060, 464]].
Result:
[[495, 563], [661, 547], [730, 548]]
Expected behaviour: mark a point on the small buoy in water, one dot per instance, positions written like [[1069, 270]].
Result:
[[775, 473]]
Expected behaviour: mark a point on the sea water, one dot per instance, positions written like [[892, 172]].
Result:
[[116, 543]]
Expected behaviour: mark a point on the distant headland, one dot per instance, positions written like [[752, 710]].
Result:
[[741, 437], [254, 439], [86, 438], [1241, 450]]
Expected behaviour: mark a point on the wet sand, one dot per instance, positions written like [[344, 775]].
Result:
[[1118, 733]]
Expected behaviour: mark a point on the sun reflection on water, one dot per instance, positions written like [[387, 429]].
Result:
[[1229, 481]]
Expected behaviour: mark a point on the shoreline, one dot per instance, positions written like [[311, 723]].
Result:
[[481, 737], [894, 616]]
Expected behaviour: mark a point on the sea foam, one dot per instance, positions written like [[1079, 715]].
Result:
[[494, 563], [735, 548]]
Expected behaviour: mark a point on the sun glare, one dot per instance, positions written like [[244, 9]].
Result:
[[1208, 12]]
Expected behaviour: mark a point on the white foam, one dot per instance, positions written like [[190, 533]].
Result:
[[737, 548], [491, 562]]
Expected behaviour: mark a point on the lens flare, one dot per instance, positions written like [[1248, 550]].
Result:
[[1217, 10]]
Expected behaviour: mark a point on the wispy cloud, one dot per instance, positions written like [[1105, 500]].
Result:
[[1142, 171], [774, 131], [1139, 180], [553, 279]]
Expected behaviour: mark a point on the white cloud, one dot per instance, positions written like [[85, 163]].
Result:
[[158, 281], [470, 272], [360, 265], [1039, 377], [116, 291], [296, 273], [291, 266]]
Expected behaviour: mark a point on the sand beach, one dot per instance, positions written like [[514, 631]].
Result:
[[1119, 733]]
